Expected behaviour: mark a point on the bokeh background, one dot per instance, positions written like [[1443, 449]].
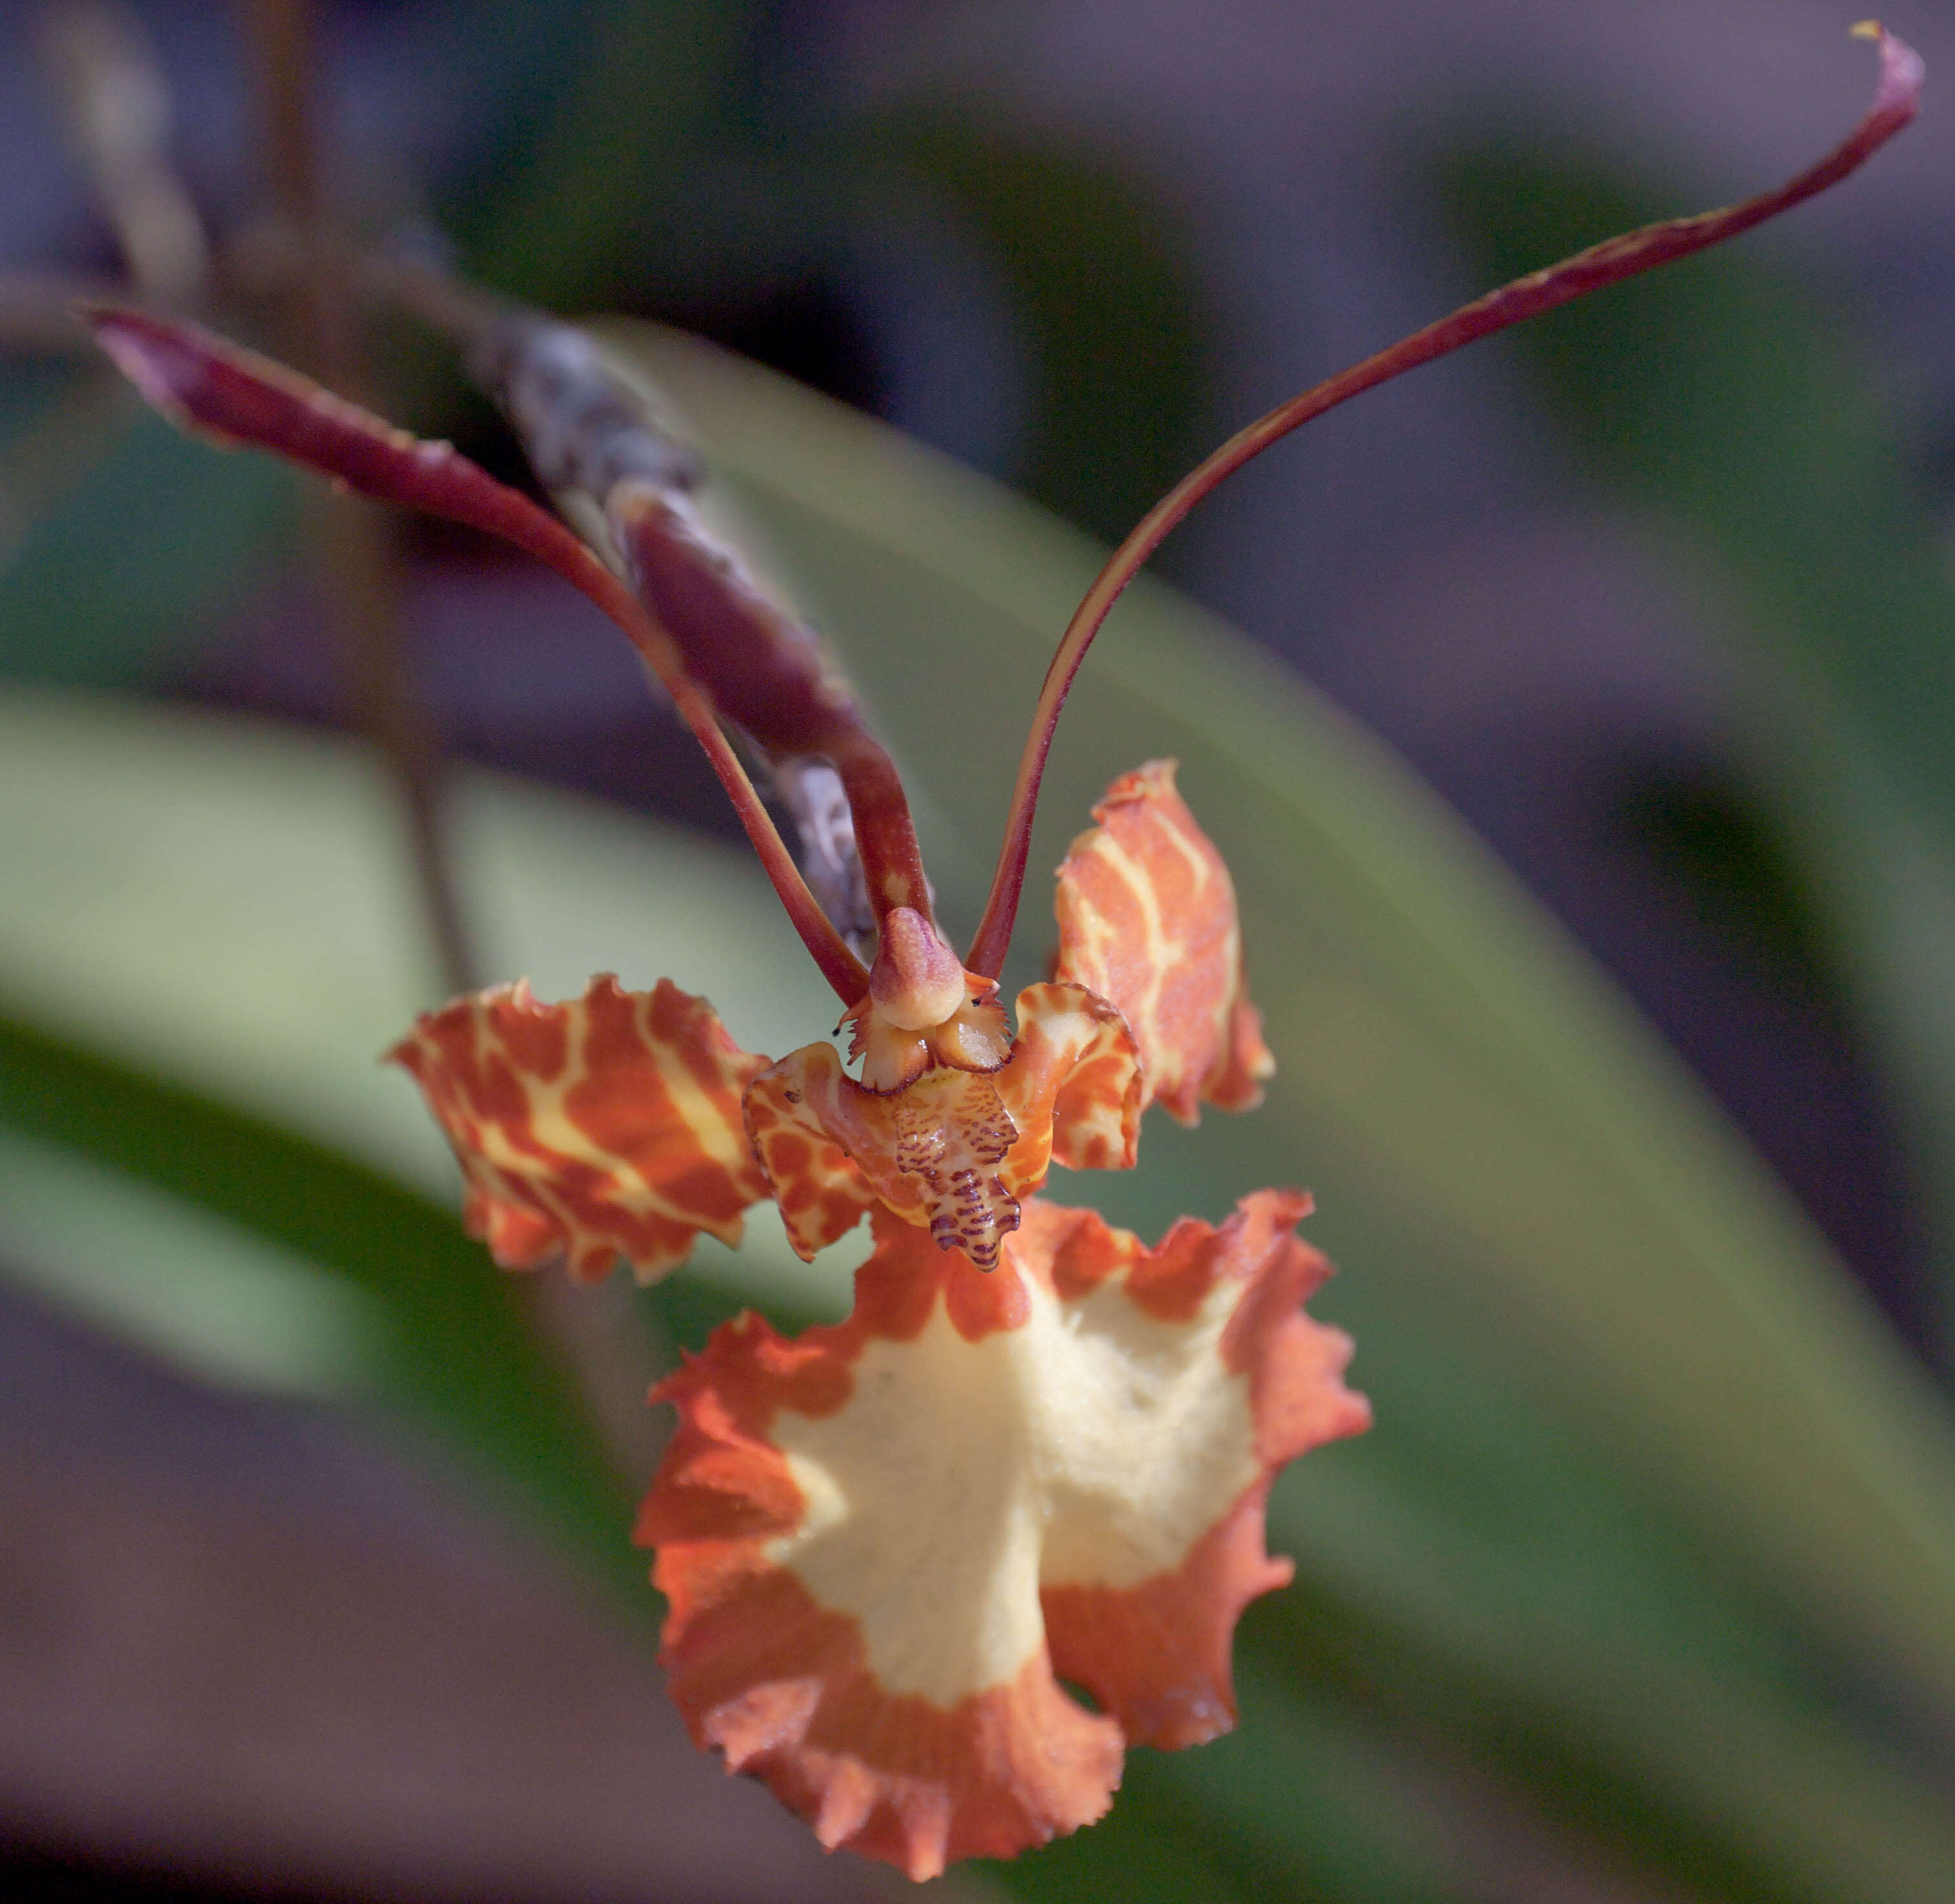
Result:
[[1584, 756]]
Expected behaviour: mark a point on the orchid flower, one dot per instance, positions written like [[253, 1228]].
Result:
[[1038, 1450]]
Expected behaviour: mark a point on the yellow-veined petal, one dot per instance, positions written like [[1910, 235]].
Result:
[[607, 1126], [1147, 919]]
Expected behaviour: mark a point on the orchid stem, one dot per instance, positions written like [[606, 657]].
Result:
[[363, 580]]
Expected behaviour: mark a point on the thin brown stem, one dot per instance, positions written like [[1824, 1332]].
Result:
[[614, 1362], [40, 464], [356, 541], [467, 317], [116, 105], [363, 588], [37, 311], [1895, 99]]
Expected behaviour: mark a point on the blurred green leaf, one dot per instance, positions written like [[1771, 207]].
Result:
[[218, 1300], [1734, 405], [104, 588], [461, 1357], [223, 903]]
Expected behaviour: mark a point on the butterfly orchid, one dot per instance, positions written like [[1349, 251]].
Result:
[[1037, 1450]]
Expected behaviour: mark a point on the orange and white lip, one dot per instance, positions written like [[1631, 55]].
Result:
[[607, 1126], [886, 1542]]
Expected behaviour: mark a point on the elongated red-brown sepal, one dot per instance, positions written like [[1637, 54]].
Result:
[[1897, 99], [218, 390], [591, 432]]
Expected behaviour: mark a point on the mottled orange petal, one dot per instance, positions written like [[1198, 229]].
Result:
[[1146, 919], [885, 1541], [820, 1189], [1073, 1086], [605, 1127]]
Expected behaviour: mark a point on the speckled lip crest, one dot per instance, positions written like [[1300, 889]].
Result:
[[954, 1151], [887, 1541]]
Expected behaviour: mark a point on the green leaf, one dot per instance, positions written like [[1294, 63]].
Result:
[[225, 903], [222, 905], [453, 1346], [220, 1301], [107, 589]]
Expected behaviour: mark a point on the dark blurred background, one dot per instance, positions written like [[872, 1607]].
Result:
[[1072, 243]]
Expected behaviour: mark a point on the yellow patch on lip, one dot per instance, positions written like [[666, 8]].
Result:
[[1092, 1446]]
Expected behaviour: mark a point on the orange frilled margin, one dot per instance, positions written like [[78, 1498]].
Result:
[[886, 1541]]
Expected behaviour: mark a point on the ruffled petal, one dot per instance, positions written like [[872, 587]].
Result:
[[1151, 1642], [604, 1127], [886, 1541], [1146, 919], [783, 1690]]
